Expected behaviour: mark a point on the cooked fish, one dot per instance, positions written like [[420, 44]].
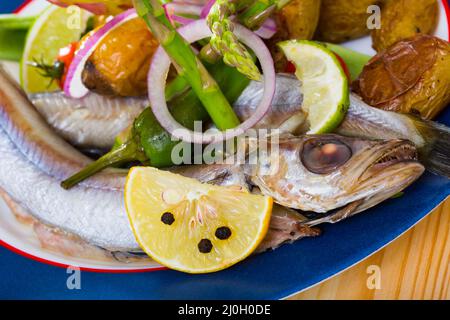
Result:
[[432, 139], [90, 122]]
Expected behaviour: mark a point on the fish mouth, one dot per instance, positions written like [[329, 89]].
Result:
[[395, 168], [404, 151]]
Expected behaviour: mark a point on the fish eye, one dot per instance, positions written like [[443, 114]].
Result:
[[324, 156]]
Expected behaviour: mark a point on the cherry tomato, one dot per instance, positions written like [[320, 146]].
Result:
[[66, 56], [290, 67], [344, 67]]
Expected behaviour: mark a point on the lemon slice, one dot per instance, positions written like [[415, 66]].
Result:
[[54, 29], [194, 227], [325, 85]]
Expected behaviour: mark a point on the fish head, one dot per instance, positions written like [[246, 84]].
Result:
[[321, 173]]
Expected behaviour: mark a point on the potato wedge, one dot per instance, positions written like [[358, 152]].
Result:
[[120, 64], [343, 20], [412, 76], [401, 19], [297, 20]]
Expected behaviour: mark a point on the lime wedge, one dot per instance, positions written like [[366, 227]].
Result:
[[325, 85], [54, 29]]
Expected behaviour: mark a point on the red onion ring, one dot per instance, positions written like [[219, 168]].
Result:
[[159, 69], [207, 8], [174, 8], [73, 86], [181, 20], [268, 29]]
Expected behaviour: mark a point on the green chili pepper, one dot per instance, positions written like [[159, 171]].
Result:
[[148, 142]]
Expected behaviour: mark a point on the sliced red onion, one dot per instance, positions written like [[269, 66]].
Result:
[[159, 69], [174, 8], [181, 20], [73, 86], [268, 29], [207, 8]]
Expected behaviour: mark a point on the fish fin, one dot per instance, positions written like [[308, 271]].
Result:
[[286, 226], [337, 215], [435, 154]]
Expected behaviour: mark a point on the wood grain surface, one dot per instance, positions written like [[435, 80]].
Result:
[[415, 266]]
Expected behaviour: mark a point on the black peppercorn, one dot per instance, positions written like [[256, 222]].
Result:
[[205, 246], [168, 218], [223, 233]]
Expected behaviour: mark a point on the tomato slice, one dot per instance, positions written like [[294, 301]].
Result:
[[66, 56], [344, 67]]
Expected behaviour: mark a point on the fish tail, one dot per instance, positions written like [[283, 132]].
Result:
[[435, 154]]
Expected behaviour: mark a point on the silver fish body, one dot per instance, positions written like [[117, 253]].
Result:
[[90, 122], [363, 121]]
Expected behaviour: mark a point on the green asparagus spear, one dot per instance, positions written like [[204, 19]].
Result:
[[12, 43], [252, 14], [255, 15], [225, 42], [187, 64]]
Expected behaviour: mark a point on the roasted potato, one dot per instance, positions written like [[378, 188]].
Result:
[[297, 20], [120, 64], [401, 19], [343, 20], [412, 76]]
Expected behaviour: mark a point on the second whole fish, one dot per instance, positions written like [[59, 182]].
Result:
[[94, 121]]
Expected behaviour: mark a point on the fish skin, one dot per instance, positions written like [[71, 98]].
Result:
[[90, 122]]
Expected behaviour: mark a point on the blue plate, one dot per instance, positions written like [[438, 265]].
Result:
[[272, 275]]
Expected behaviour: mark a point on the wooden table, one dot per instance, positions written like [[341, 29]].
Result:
[[415, 266]]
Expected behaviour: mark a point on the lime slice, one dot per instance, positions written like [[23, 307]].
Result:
[[325, 85], [54, 29]]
